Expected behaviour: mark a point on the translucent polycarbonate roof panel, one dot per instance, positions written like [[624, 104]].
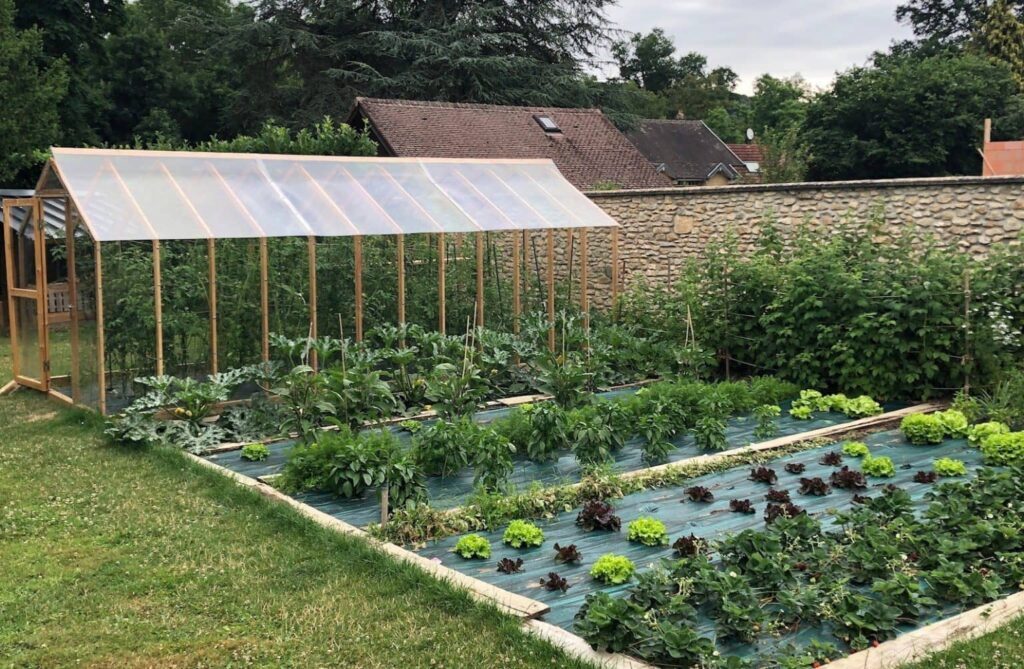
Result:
[[145, 195]]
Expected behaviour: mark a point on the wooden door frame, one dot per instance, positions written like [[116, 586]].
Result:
[[16, 293]]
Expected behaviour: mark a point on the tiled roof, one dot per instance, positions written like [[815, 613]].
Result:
[[589, 150], [748, 153], [689, 150]]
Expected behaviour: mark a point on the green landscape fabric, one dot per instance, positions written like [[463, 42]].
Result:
[[455, 490], [710, 521]]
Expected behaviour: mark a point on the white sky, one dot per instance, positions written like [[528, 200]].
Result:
[[813, 38]]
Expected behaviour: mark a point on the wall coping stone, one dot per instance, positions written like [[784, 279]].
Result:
[[869, 184]]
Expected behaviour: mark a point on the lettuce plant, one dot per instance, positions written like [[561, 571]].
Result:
[[510, 566], [612, 569], [800, 412], [954, 423], [473, 546], [255, 452], [598, 515], [648, 531], [1004, 449], [978, 433], [880, 467], [921, 429], [950, 467], [856, 449], [554, 582], [522, 534]]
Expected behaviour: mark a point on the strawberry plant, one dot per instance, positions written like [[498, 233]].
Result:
[[648, 531], [510, 566], [554, 582], [522, 534], [255, 452], [950, 467], [473, 546], [612, 569], [598, 515]]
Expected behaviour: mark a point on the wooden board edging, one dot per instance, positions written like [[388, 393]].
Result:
[[509, 602], [578, 648], [936, 637]]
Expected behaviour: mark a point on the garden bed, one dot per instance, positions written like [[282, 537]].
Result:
[[452, 491], [705, 520]]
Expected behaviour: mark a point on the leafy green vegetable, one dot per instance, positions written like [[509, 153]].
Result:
[[523, 534], [1004, 449], [856, 449], [473, 546], [920, 429], [612, 569], [255, 452], [880, 467], [950, 467], [954, 423], [976, 434], [648, 531]]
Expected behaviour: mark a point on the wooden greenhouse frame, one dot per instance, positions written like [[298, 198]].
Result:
[[149, 197]]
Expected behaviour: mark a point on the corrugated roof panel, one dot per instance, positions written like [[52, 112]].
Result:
[[143, 195]]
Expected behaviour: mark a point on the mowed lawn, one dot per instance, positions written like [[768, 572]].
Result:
[[115, 557]]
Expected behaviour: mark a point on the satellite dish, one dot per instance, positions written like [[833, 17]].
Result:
[[750, 134]]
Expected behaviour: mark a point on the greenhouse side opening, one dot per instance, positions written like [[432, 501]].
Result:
[[185, 263]]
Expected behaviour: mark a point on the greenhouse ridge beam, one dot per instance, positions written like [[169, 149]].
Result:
[[167, 195]]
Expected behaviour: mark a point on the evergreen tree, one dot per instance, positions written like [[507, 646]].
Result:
[[1001, 36], [32, 90]]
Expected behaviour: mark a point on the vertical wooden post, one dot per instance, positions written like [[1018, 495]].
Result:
[[314, 362], [584, 297], [158, 307], [101, 352], [385, 503], [401, 280], [551, 290], [264, 300], [441, 276], [42, 329], [615, 267], [480, 279], [69, 234], [211, 257], [988, 132], [967, 359], [517, 296], [357, 250]]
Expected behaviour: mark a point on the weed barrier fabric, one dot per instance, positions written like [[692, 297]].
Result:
[[455, 490], [706, 520]]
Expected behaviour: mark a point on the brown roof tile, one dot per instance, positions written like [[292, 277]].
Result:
[[589, 150], [748, 153], [689, 149]]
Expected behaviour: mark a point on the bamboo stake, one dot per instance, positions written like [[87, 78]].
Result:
[[211, 256], [441, 276], [480, 279], [101, 353], [314, 362], [967, 332], [517, 297], [551, 290], [158, 307], [69, 235], [357, 249], [401, 280], [584, 298], [264, 300]]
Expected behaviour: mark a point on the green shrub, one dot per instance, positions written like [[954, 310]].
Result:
[[492, 460], [522, 534], [921, 428], [1004, 449], [880, 467], [856, 449], [766, 415], [594, 438], [473, 546], [309, 464], [648, 531], [950, 467], [612, 569], [444, 447], [954, 423], [255, 452], [977, 434], [549, 431]]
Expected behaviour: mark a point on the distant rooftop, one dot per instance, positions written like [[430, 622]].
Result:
[[689, 150]]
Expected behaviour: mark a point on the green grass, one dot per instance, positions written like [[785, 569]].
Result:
[[114, 557]]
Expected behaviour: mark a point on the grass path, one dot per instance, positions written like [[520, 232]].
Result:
[[114, 557]]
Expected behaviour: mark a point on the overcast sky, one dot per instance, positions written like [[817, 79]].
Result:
[[815, 38]]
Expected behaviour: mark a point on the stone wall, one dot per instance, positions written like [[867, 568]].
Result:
[[662, 229]]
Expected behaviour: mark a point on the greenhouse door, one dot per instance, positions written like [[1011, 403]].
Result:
[[25, 244]]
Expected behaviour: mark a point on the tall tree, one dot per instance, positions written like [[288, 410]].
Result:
[[649, 60], [32, 89], [1001, 36], [947, 21], [76, 31], [778, 104], [906, 117]]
